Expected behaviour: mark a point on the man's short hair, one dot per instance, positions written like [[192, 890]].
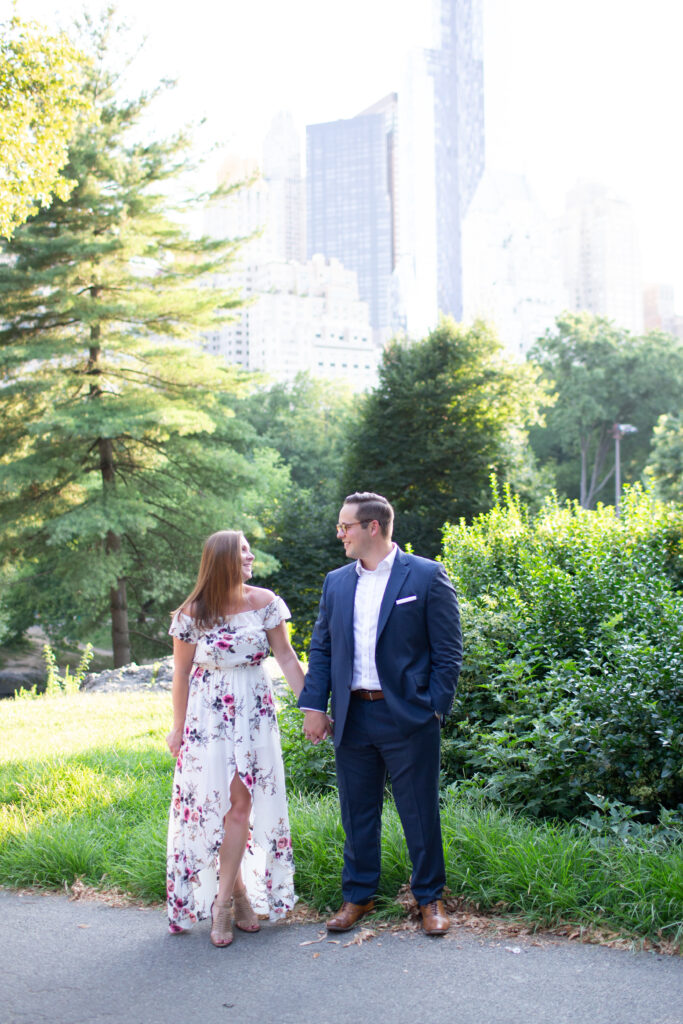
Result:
[[373, 506]]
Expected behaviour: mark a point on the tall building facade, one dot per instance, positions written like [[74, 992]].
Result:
[[601, 256], [441, 160], [458, 71], [350, 210], [388, 190], [281, 169], [512, 273], [659, 310], [299, 315]]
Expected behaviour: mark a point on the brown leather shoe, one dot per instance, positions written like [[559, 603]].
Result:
[[434, 918], [348, 915]]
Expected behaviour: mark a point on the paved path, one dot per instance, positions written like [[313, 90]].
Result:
[[86, 963]]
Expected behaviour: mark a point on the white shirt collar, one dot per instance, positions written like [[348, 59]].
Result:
[[384, 566]]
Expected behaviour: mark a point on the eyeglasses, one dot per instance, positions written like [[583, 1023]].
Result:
[[344, 528]]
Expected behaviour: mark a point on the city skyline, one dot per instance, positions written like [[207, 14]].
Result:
[[586, 91]]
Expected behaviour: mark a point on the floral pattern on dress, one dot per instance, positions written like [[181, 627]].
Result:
[[230, 726]]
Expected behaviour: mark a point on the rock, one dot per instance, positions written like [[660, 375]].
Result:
[[13, 679], [154, 676]]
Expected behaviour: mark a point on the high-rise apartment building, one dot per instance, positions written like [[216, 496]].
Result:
[[350, 211], [601, 256], [659, 310], [512, 272], [286, 223], [298, 315]]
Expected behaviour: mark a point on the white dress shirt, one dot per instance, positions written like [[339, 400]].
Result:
[[369, 593]]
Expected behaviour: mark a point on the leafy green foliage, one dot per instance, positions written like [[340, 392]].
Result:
[[602, 375], [665, 465], [308, 768], [573, 678], [41, 103], [448, 411], [66, 682]]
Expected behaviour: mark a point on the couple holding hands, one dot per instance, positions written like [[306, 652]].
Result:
[[385, 657]]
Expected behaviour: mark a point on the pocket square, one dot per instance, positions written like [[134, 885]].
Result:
[[404, 600]]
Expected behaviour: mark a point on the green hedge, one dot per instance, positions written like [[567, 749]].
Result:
[[573, 676]]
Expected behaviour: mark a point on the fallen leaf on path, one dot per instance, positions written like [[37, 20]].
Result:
[[363, 935]]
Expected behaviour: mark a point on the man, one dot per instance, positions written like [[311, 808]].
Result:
[[387, 648]]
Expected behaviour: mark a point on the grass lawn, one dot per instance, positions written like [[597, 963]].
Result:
[[85, 781]]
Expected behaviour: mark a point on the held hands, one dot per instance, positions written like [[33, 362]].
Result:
[[317, 726]]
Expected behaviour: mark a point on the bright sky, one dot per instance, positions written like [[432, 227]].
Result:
[[588, 89]]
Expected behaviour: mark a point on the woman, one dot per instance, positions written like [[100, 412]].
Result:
[[226, 740]]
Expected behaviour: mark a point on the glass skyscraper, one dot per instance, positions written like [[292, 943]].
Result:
[[457, 68], [350, 202], [441, 160], [387, 191]]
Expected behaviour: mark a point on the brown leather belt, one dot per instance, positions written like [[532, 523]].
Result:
[[367, 694]]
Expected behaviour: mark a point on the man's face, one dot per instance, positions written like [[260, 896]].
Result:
[[355, 539]]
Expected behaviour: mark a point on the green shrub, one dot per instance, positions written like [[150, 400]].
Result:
[[308, 769], [573, 678]]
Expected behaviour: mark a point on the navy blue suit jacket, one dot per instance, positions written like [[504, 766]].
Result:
[[419, 644]]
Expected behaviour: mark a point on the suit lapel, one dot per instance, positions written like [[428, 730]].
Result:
[[346, 597], [399, 571]]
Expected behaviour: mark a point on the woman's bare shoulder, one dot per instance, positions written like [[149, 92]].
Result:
[[259, 597]]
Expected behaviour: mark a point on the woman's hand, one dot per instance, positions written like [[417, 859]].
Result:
[[174, 739]]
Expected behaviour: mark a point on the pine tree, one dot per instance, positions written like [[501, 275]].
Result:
[[119, 446]]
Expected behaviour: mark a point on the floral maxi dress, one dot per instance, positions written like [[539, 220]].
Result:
[[230, 726]]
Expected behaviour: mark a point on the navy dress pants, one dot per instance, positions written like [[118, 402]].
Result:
[[370, 747]]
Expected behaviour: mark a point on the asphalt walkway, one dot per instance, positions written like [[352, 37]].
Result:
[[87, 963]]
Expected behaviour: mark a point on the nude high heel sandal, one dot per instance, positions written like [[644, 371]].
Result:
[[245, 918], [221, 924]]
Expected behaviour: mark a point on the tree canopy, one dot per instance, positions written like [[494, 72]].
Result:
[[121, 450], [41, 103], [309, 422], [665, 464], [445, 416], [602, 375]]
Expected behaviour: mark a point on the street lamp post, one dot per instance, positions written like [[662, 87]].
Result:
[[619, 430]]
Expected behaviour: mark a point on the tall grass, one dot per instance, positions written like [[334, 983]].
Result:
[[85, 782]]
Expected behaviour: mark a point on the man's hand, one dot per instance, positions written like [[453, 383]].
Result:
[[317, 726]]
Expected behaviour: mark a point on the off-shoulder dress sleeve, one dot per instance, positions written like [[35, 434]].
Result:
[[185, 628], [274, 612]]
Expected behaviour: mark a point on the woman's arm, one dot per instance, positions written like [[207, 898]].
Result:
[[183, 655], [284, 653]]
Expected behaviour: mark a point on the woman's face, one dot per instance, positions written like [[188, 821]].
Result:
[[247, 560]]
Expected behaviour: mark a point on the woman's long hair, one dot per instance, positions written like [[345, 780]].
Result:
[[219, 585]]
